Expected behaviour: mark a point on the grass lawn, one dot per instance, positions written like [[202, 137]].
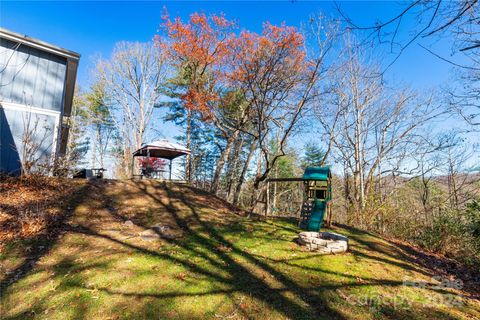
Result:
[[145, 250]]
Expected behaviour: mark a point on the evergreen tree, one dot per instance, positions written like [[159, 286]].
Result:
[[101, 122], [199, 135], [78, 142], [314, 155]]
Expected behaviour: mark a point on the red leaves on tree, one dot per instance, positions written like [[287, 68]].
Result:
[[277, 48], [199, 46], [201, 40], [215, 57], [153, 163]]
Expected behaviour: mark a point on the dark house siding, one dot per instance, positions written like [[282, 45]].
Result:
[[31, 77], [37, 82]]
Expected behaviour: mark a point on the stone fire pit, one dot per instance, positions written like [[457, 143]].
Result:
[[323, 242]]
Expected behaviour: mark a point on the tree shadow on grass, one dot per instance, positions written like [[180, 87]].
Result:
[[233, 270], [311, 301], [240, 273], [414, 259], [205, 241], [69, 275], [444, 267], [41, 244], [360, 247]]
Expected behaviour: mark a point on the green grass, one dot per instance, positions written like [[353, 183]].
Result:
[[214, 264]]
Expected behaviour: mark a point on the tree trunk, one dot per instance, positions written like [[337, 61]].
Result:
[[188, 160], [127, 163], [241, 179], [233, 169], [348, 196], [258, 186], [274, 200], [94, 148], [258, 198], [221, 161]]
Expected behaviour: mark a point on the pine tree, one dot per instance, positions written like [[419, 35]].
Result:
[[314, 155], [78, 143]]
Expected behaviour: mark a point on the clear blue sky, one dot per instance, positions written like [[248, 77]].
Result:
[[92, 28]]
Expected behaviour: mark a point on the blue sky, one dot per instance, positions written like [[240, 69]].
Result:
[[92, 28]]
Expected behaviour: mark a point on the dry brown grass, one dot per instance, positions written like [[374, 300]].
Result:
[[29, 205]]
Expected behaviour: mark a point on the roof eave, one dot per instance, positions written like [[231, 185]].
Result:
[[38, 44]]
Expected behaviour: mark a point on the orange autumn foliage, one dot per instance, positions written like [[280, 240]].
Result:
[[216, 58], [201, 46], [277, 49]]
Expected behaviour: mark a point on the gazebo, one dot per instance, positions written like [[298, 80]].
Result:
[[163, 149]]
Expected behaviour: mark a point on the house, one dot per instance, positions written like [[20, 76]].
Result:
[[37, 82]]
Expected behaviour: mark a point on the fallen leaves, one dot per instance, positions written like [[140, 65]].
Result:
[[30, 205], [223, 248], [181, 276]]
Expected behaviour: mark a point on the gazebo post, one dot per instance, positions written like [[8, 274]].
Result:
[[133, 165], [148, 172], [170, 170]]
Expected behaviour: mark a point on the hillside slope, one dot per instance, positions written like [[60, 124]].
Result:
[[145, 250]]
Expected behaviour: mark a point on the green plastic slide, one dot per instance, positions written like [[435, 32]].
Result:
[[316, 217]]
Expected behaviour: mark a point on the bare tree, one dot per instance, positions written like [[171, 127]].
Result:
[[433, 18], [230, 120], [78, 140], [132, 77], [456, 21], [454, 158], [373, 129], [464, 96], [99, 118], [36, 141]]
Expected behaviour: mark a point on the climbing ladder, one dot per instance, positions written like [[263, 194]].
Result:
[[305, 214]]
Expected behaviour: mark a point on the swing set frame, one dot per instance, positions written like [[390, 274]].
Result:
[[308, 193]]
